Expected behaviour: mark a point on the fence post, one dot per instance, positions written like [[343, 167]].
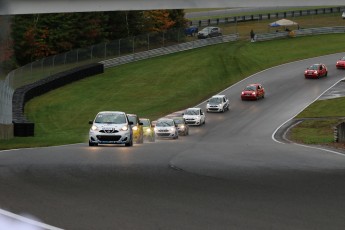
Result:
[[105, 50], [148, 41], [119, 47], [163, 39]]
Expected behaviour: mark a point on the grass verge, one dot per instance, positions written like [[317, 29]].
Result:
[[159, 86], [318, 122]]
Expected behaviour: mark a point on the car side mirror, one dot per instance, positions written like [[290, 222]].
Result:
[[90, 122], [140, 123], [130, 122]]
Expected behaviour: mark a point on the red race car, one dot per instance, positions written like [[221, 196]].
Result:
[[341, 63], [316, 71], [253, 92]]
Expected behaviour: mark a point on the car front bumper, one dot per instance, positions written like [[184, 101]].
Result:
[[340, 66], [165, 134], [102, 138]]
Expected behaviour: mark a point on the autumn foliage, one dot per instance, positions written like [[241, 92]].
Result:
[[41, 35]]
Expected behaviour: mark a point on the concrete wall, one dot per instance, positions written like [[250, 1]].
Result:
[[6, 131], [24, 128]]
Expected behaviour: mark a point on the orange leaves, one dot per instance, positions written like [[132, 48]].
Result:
[[158, 20]]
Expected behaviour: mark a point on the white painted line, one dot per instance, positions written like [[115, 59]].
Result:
[[327, 150], [300, 112], [22, 223]]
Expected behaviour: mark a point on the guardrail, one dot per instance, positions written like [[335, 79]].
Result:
[[339, 133], [264, 16], [299, 33], [168, 50]]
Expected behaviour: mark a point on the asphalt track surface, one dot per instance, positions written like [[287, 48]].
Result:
[[227, 174]]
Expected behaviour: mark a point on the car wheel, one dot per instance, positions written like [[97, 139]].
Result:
[[130, 143], [92, 144]]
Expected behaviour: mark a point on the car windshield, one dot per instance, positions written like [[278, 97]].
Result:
[[178, 120], [132, 119], [216, 100], [205, 30], [192, 112], [165, 123], [145, 122], [343, 58], [250, 88], [111, 118], [314, 67]]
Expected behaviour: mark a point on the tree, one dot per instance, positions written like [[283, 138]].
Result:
[[6, 46], [39, 35]]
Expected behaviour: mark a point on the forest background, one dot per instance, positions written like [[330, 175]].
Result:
[[36, 36]]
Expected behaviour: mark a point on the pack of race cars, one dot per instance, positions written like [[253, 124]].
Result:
[[117, 127]]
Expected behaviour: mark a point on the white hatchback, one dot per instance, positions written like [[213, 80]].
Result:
[[110, 127], [194, 116], [166, 128], [217, 103]]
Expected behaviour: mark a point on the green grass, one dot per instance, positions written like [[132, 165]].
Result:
[[318, 131], [159, 86], [325, 108]]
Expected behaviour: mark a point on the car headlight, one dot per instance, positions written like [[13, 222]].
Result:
[[315, 72], [135, 128], [253, 93], [124, 128], [182, 126], [155, 129], [148, 130], [94, 128], [172, 129]]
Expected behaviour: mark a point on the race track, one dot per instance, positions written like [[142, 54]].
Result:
[[227, 174]]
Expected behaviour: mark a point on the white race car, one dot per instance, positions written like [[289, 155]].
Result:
[[111, 127], [217, 103], [166, 128], [194, 116]]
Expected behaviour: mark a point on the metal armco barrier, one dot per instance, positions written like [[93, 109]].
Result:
[[339, 133]]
